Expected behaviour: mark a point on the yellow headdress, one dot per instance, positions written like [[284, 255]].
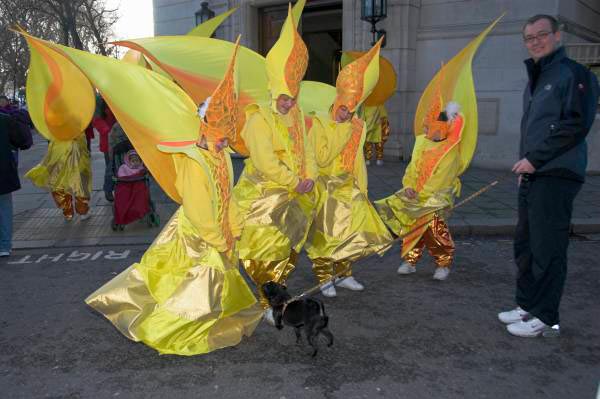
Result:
[[221, 116], [287, 60], [357, 79]]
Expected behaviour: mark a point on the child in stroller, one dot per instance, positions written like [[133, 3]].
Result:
[[132, 192]]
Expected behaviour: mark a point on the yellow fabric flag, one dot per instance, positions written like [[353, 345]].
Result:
[[456, 85], [60, 98], [209, 27], [150, 108]]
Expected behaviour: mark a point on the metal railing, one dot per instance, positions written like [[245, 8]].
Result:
[[584, 53]]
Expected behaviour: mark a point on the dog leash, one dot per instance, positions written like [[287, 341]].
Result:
[[401, 237]]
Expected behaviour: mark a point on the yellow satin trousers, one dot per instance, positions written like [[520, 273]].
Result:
[[438, 241], [262, 272]]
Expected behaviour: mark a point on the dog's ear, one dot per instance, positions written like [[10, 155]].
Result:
[[268, 288]]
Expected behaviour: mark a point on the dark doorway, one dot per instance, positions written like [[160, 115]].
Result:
[[321, 30]]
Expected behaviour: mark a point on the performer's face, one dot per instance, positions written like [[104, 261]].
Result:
[[221, 143], [539, 39], [342, 114], [284, 103]]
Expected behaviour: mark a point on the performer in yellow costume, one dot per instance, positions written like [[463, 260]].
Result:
[[61, 111], [373, 110], [446, 136], [346, 226], [430, 182], [274, 191], [186, 296], [66, 172], [378, 131]]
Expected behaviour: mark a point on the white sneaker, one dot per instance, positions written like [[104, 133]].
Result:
[[328, 290], [268, 317], [441, 273], [86, 216], [4, 254], [380, 162], [406, 268], [368, 162], [533, 327], [349, 283], [512, 316]]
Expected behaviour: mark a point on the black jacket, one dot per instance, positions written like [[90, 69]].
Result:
[[12, 135], [559, 107]]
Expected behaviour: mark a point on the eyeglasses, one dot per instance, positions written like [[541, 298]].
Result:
[[540, 37]]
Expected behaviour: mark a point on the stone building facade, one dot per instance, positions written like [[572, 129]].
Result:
[[420, 34]]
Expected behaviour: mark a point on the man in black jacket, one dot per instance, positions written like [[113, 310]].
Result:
[[559, 107], [13, 135]]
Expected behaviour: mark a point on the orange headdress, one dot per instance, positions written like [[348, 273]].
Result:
[[221, 116], [434, 124], [357, 79]]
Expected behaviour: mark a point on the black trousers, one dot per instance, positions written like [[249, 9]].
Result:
[[541, 241], [108, 185]]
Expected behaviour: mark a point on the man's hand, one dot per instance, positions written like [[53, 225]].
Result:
[[305, 186], [309, 184], [410, 193], [523, 166]]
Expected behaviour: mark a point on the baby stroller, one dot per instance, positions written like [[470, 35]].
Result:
[[132, 194]]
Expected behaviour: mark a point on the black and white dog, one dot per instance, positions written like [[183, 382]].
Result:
[[305, 313]]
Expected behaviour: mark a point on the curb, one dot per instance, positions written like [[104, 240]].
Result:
[[504, 227]]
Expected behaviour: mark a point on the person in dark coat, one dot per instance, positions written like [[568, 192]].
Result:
[[559, 106], [13, 135]]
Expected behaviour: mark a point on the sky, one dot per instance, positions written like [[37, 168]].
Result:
[[136, 19]]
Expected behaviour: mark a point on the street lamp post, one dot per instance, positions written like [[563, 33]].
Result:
[[204, 13], [373, 11]]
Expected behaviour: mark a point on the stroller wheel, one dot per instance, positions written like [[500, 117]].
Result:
[[153, 220], [121, 227], [114, 226]]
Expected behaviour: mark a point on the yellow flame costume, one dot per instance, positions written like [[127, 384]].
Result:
[[373, 111], [442, 152], [276, 216], [186, 295], [346, 226], [378, 130], [61, 116]]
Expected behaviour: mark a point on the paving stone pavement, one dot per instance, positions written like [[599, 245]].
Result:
[[39, 224]]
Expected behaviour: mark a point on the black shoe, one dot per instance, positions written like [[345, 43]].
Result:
[[109, 196]]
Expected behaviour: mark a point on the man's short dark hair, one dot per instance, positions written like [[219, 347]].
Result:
[[2, 96], [553, 21]]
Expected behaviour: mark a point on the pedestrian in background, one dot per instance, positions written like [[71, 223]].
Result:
[[559, 107], [102, 123], [13, 135]]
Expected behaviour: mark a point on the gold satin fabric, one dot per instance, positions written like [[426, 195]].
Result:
[[65, 168], [346, 226], [276, 218], [324, 269], [262, 272], [64, 201], [437, 240], [184, 297]]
